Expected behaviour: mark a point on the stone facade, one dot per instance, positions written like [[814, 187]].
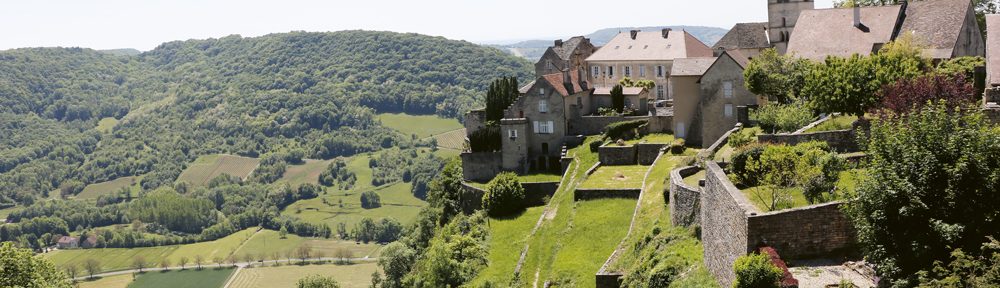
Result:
[[781, 18], [592, 194], [566, 55], [722, 91], [684, 200], [474, 121], [543, 108]]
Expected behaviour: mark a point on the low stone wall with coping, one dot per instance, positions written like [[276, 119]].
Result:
[[481, 166], [684, 201], [839, 140], [612, 155], [593, 125], [592, 194], [646, 153]]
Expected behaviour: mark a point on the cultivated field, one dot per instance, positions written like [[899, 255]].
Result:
[[269, 244], [348, 276], [188, 278], [421, 125], [454, 139], [92, 191], [206, 167], [306, 173], [121, 258]]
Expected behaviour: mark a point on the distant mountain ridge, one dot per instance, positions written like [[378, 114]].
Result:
[[533, 49]]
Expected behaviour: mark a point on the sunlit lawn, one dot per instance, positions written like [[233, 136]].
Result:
[[616, 177]]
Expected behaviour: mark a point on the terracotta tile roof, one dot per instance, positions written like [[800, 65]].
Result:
[[691, 66], [556, 80], [651, 46], [744, 35], [993, 50], [568, 47], [937, 24], [67, 240], [628, 91], [825, 32]]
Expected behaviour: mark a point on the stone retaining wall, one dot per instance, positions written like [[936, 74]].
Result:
[[684, 200], [647, 152], [481, 166], [592, 194], [593, 125], [818, 230], [839, 140], [732, 226], [611, 155]]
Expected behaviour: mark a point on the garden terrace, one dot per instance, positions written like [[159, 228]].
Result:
[[834, 123], [616, 177]]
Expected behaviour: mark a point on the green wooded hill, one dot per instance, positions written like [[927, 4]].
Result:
[[312, 93]]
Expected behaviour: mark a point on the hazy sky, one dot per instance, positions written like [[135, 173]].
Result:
[[144, 24]]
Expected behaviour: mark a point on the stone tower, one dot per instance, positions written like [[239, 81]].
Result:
[[781, 18]]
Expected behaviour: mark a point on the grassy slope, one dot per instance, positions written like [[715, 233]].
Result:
[[207, 167], [397, 202], [6, 211], [204, 278], [507, 238], [421, 125], [348, 276], [575, 238], [306, 173], [835, 123]]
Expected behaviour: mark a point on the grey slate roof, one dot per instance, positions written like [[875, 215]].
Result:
[[831, 32], [744, 35], [691, 66], [628, 91], [937, 24]]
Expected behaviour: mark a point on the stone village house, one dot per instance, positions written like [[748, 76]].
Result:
[[705, 85]]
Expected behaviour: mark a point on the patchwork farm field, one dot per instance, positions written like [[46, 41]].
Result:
[[345, 207], [199, 172], [188, 278], [348, 276], [421, 125], [117, 281]]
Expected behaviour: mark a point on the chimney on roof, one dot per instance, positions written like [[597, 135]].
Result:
[[559, 43], [634, 33], [665, 32]]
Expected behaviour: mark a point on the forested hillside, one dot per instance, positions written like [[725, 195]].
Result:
[[311, 94]]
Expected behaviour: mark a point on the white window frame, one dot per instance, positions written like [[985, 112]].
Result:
[[543, 127], [541, 91], [642, 70], [728, 110], [727, 89], [543, 106], [627, 70], [512, 133], [660, 94], [596, 72]]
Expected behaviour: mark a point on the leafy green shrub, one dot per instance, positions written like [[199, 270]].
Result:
[[370, 200], [782, 118], [485, 140], [742, 137], [677, 147], [741, 158], [756, 271], [504, 195], [817, 172], [623, 129]]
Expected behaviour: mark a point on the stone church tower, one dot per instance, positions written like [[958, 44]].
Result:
[[781, 18]]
